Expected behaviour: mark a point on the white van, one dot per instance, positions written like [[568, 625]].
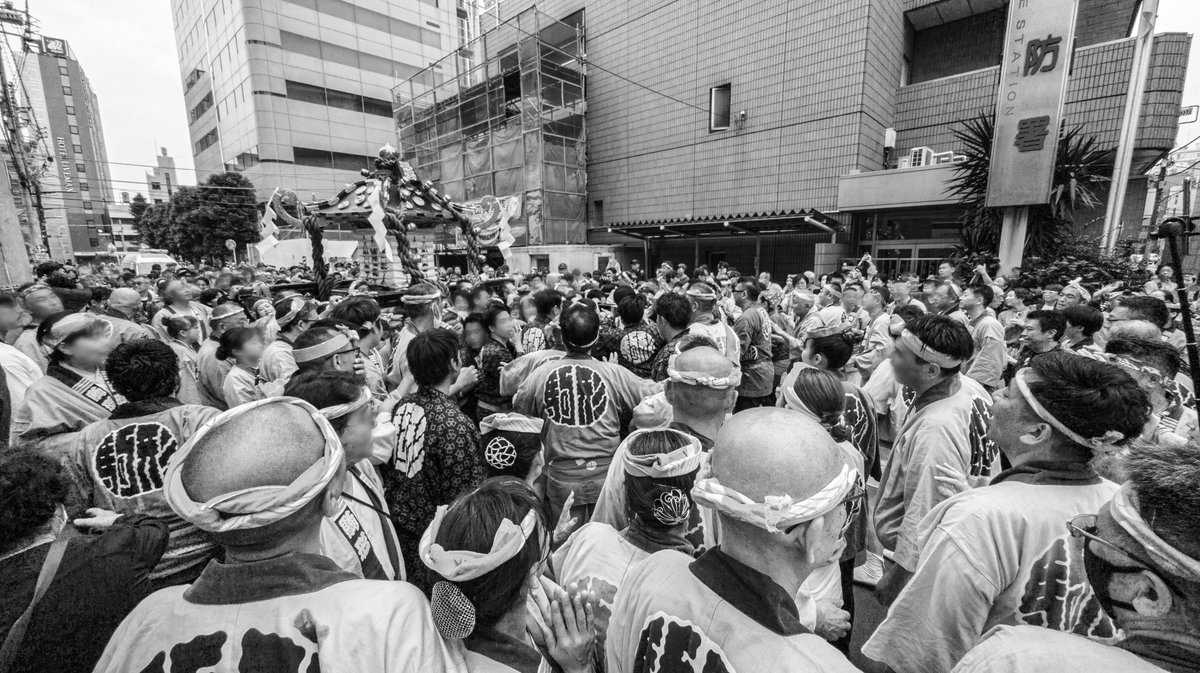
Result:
[[142, 260]]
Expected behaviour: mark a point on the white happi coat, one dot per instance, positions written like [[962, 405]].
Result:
[[299, 612], [948, 424], [1029, 649], [667, 618], [1000, 554]]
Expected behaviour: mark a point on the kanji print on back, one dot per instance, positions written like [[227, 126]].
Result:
[[638, 346], [575, 396], [1057, 595], [132, 460], [983, 449], [259, 652], [669, 644], [409, 453]]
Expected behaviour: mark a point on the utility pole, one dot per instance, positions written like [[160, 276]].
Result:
[[1158, 197], [29, 184], [1142, 46]]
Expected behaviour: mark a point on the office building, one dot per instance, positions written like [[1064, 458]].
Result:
[[63, 140], [714, 130], [163, 179], [295, 93]]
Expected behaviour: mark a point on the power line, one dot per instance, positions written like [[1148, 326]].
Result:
[[1185, 170]]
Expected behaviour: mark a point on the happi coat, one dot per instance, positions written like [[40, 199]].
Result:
[[278, 363], [296, 613], [362, 540], [581, 400], [712, 614], [189, 374], [212, 372], [1028, 649], [947, 424], [432, 456], [59, 404], [119, 463], [996, 555]]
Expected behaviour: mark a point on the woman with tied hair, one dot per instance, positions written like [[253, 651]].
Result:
[[497, 351], [659, 469], [819, 395], [486, 552]]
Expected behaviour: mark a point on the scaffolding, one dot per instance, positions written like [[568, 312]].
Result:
[[503, 117]]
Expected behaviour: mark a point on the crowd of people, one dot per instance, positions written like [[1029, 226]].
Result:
[[622, 470]]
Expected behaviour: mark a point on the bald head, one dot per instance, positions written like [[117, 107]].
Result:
[[269, 445], [695, 401], [1142, 329], [769, 451]]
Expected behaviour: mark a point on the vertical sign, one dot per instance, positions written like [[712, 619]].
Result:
[[1033, 83]]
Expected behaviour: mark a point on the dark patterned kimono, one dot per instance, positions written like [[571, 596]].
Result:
[[638, 346], [492, 357], [658, 366], [435, 458]]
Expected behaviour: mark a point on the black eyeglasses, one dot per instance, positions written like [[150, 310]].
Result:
[[1084, 527]]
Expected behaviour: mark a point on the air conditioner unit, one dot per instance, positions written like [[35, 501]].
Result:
[[959, 159], [942, 158], [903, 162], [920, 156]]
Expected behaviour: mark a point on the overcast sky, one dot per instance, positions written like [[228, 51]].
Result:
[[127, 49]]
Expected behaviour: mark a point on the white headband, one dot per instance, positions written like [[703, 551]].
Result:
[[1106, 443], [508, 422], [1124, 509], [330, 346], [730, 380], [684, 460], [256, 506], [339, 410], [461, 565], [777, 512], [926, 353]]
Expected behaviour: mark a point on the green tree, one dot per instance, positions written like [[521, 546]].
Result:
[[138, 207], [1081, 172], [154, 225], [204, 217]]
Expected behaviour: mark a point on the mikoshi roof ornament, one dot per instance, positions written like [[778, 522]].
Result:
[[390, 200]]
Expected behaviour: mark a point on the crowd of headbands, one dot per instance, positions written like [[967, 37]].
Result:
[[620, 469]]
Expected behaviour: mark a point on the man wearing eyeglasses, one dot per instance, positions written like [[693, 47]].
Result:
[[999, 555], [1142, 559]]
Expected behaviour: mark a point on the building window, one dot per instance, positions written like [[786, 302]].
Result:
[[70, 109], [718, 107], [80, 168], [66, 91], [62, 70], [203, 106], [94, 242], [158, 200], [155, 185], [78, 149], [83, 187], [341, 161], [73, 129], [207, 140], [192, 78], [87, 205]]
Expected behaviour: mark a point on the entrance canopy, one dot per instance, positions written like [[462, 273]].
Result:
[[774, 222]]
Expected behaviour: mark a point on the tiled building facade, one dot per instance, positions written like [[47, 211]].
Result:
[[814, 88], [296, 93]]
